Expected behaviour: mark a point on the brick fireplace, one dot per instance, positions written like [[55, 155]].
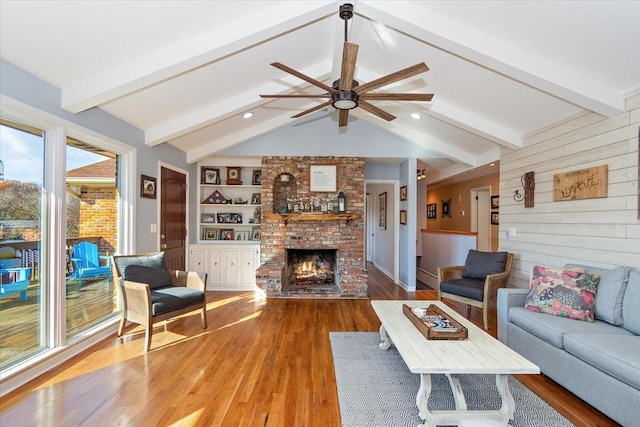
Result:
[[330, 243]]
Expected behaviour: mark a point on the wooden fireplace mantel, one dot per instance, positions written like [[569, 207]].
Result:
[[311, 217]]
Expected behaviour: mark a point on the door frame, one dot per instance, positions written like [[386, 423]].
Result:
[[187, 216], [473, 219]]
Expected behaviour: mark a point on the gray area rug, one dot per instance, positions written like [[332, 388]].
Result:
[[375, 388]]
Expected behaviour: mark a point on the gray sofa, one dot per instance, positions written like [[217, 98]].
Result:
[[597, 361]]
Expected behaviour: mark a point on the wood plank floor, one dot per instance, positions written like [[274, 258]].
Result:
[[259, 363]]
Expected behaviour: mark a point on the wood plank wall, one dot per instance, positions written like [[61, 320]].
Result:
[[600, 232]]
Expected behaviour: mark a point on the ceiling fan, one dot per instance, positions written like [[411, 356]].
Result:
[[346, 94]]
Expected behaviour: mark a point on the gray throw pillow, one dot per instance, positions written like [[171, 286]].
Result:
[[154, 277], [631, 305], [610, 292], [479, 265]]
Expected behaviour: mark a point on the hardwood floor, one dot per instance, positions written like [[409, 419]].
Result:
[[259, 363]]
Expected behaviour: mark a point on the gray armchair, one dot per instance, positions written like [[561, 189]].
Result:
[[150, 293], [477, 282]]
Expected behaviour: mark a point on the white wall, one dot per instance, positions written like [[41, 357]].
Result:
[[601, 232]]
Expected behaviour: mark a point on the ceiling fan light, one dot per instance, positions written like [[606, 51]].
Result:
[[344, 100]]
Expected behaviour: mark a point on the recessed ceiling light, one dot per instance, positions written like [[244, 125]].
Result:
[[416, 116], [247, 115]]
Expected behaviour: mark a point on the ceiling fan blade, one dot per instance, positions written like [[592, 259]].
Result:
[[343, 118], [304, 77], [349, 56], [311, 110], [375, 111], [324, 95], [392, 78], [397, 96]]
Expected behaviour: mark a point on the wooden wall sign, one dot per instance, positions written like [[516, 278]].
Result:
[[589, 183]]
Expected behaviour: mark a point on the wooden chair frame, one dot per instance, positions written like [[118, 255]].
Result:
[[491, 285], [135, 300]]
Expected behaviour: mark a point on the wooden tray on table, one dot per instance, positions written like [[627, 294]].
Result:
[[434, 323]]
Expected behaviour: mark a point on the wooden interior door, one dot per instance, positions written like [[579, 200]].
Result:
[[173, 218]]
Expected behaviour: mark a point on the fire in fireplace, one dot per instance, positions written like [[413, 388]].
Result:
[[311, 268]]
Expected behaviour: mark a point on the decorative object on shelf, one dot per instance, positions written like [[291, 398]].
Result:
[[589, 183], [382, 219], [210, 233], [256, 199], [495, 202], [226, 234], [255, 233], [239, 201], [257, 177], [495, 218], [209, 175], [342, 203], [284, 179], [229, 218], [403, 193], [322, 178], [215, 198], [432, 209], [529, 185], [208, 217], [446, 208], [147, 187], [403, 217], [242, 235], [233, 175]]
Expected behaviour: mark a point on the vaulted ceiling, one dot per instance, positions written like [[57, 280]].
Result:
[[185, 72]]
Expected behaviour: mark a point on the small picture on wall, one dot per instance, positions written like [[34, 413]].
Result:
[[382, 205], [403, 192], [432, 210], [403, 217], [147, 187], [446, 208], [495, 202], [495, 218]]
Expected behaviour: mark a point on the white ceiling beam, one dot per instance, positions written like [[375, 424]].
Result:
[[181, 58], [198, 119], [448, 150], [495, 55]]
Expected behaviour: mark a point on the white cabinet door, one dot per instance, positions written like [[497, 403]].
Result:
[[232, 257], [216, 268], [247, 270], [198, 261]]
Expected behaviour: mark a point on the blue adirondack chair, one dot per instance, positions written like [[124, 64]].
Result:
[[14, 280], [86, 262]]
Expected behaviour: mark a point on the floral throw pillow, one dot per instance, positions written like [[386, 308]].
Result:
[[566, 293]]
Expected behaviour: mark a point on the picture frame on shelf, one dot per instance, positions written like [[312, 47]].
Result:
[[210, 233], [256, 178], [209, 176], [208, 218], [403, 217], [241, 235], [432, 210], [382, 215], [148, 186], [233, 175], [227, 234], [403, 193], [256, 233], [215, 198], [446, 208], [256, 199], [495, 202]]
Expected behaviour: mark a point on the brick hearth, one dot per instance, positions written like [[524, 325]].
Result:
[[285, 232]]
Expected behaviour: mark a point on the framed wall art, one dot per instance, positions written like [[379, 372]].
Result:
[[432, 210], [495, 202], [403, 217], [382, 204], [322, 178], [495, 218], [148, 187], [209, 176], [446, 208], [403, 192]]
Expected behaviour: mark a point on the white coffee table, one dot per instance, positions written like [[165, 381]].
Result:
[[480, 353]]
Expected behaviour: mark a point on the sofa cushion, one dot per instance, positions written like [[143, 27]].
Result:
[[562, 292], [156, 278], [479, 265], [552, 329], [153, 261], [174, 298], [610, 291], [615, 355], [469, 288], [631, 303]]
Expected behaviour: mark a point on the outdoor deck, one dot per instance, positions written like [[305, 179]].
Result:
[[20, 320]]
